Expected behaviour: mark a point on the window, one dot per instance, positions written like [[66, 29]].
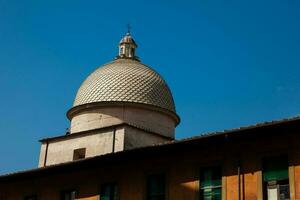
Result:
[[79, 154], [156, 187], [109, 192], [32, 197], [276, 178], [121, 50], [68, 195], [211, 183]]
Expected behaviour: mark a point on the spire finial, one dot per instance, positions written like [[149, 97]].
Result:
[[128, 29], [127, 46]]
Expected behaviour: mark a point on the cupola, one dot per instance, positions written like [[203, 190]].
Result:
[[127, 47]]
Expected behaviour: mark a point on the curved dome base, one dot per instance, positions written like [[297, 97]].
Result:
[[104, 114]]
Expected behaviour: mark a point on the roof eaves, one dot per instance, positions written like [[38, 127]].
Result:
[[165, 144]]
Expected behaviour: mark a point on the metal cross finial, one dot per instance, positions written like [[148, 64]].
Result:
[[128, 28]]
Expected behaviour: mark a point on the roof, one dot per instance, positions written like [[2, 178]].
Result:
[[88, 132], [154, 148], [128, 39], [125, 80]]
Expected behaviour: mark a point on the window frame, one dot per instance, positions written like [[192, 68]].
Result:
[[63, 192], [265, 184], [165, 172], [221, 186], [77, 154], [110, 183]]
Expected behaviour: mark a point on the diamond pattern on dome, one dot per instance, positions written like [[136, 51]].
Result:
[[125, 80]]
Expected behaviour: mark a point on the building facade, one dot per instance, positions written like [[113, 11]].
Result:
[[121, 146]]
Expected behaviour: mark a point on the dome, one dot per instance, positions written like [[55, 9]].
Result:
[[125, 92], [125, 80]]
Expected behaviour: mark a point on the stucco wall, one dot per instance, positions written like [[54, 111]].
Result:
[[97, 118], [98, 143], [152, 120], [182, 180], [137, 138], [42, 154], [181, 164]]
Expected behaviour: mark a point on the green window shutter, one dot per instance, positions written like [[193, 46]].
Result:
[[211, 177], [276, 175], [108, 192], [212, 194], [275, 169], [211, 183], [156, 187]]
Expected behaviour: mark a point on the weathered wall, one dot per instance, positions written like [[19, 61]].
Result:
[[181, 164], [99, 143], [107, 116], [42, 154], [153, 121], [137, 138], [297, 180], [97, 118], [96, 143]]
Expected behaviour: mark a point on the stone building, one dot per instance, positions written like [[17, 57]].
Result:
[[121, 146], [122, 105]]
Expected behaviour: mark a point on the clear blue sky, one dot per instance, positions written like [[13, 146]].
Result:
[[228, 63]]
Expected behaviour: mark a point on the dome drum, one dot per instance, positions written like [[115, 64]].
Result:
[[100, 115], [92, 106]]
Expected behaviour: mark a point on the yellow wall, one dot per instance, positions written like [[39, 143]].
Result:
[[181, 167]]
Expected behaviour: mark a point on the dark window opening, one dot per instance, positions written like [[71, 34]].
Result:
[[79, 154], [156, 187], [109, 192], [32, 197], [68, 195], [276, 178], [211, 183]]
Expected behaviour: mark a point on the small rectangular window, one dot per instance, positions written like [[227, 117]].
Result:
[[68, 195], [211, 183], [121, 51], [109, 192], [32, 197], [79, 154], [156, 187], [276, 178]]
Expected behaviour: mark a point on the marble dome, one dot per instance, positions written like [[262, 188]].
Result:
[[125, 80]]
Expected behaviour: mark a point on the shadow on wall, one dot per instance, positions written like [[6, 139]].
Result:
[[182, 164], [138, 115]]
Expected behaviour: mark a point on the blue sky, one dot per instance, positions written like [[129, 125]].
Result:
[[228, 63]]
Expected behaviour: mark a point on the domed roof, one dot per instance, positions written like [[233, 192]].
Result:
[[125, 80]]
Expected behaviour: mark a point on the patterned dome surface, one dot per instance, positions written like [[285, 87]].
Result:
[[125, 80]]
